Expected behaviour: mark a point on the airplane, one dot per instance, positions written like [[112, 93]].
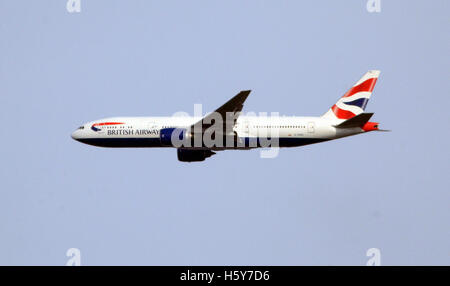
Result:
[[198, 138]]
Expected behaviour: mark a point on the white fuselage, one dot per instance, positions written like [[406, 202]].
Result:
[[145, 131]]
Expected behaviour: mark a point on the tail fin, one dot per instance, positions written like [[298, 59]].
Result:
[[354, 100]]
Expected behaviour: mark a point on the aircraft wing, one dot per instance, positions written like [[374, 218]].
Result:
[[229, 112]]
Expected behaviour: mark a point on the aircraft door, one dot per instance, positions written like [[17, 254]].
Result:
[[152, 128], [246, 126], [311, 127]]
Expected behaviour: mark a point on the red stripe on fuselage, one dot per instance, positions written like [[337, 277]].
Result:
[[366, 86], [107, 123]]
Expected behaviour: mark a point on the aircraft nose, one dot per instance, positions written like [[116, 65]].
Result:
[[76, 134]]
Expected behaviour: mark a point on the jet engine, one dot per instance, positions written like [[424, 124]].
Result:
[[192, 155]]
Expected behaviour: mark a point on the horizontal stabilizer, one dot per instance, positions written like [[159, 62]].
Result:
[[356, 121]]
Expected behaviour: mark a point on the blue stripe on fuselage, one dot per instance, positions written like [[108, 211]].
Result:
[[155, 142]]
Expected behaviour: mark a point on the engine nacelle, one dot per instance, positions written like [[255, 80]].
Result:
[[187, 155], [370, 126], [168, 136]]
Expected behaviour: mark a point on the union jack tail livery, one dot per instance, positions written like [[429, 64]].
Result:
[[354, 100]]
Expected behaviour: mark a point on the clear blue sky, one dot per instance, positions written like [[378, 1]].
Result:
[[324, 204]]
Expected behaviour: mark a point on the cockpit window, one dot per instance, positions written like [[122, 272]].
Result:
[[81, 127]]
